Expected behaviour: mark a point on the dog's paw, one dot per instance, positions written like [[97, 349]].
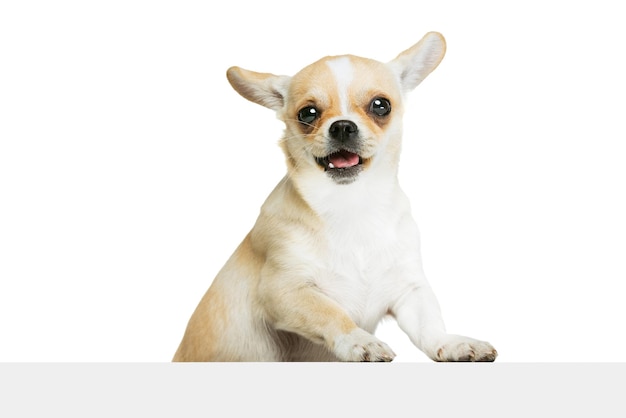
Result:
[[360, 345], [458, 348]]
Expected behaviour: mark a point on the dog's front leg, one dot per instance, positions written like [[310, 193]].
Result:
[[303, 309], [419, 316]]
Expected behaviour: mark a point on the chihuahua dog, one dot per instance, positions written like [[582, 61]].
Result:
[[335, 248]]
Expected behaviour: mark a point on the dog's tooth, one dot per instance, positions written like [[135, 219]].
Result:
[[331, 165]]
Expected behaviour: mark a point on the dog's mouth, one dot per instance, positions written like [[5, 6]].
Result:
[[342, 166], [339, 160]]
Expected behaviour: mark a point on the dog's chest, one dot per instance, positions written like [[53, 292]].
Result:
[[363, 254]]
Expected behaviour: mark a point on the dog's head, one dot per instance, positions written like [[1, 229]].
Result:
[[343, 113]]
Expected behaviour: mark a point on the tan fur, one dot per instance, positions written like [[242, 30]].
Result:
[[330, 254]]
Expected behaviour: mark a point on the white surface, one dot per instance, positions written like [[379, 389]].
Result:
[[311, 390], [130, 170]]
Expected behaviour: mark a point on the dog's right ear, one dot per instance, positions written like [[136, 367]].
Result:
[[266, 89]]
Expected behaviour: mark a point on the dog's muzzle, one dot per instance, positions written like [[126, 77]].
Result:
[[343, 163]]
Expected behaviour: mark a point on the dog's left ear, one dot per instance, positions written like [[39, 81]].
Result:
[[266, 89], [413, 65]]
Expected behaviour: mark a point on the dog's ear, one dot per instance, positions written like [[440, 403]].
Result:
[[413, 65], [266, 89]]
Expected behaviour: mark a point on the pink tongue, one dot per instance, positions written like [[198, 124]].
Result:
[[343, 159]]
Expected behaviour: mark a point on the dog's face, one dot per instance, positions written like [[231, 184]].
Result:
[[342, 114], [339, 113]]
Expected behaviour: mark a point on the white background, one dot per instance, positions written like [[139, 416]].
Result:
[[130, 170]]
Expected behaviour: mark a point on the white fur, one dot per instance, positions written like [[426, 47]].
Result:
[[328, 259], [343, 72]]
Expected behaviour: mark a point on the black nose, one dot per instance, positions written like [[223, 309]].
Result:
[[343, 130]]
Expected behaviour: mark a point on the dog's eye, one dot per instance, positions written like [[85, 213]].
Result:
[[380, 106], [308, 114]]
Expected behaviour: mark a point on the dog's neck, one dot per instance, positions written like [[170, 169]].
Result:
[[371, 192]]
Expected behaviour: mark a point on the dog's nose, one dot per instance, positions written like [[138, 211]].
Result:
[[343, 130]]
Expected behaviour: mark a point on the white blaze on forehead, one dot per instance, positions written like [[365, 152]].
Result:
[[343, 71]]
